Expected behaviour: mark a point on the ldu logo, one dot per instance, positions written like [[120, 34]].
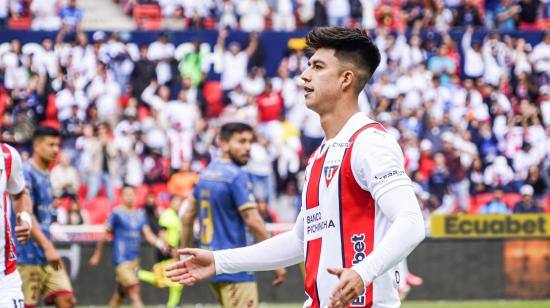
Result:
[[330, 171]]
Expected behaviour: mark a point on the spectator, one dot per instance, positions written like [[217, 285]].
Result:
[[73, 215], [67, 98], [227, 15], [283, 15], [338, 12], [102, 165], [234, 61], [506, 15], [71, 129], [497, 205], [467, 14], [536, 181], [104, 93], [182, 182], [528, 14], [473, 60], [475, 177], [64, 177], [45, 15], [439, 181], [15, 67], [541, 60], [253, 13], [527, 204], [144, 72], [155, 170], [71, 17], [259, 168], [460, 185], [191, 65], [442, 65], [161, 52], [499, 174]]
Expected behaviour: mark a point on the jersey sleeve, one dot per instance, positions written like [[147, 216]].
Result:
[[164, 220], [377, 162], [241, 191], [112, 222], [17, 179]]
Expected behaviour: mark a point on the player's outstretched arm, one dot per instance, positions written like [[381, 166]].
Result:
[[195, 265], [256, 225]]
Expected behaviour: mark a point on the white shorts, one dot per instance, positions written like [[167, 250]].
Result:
[[11, 294]]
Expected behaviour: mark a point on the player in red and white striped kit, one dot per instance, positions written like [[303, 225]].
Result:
[[360, 216], [12, 184]]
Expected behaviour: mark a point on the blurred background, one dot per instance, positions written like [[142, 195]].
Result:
[[464, 86]]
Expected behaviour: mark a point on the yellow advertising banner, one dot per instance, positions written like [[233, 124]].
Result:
[[490, 226]]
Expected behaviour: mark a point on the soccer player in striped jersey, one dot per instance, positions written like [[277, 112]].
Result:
[[359, 214], [12, 188]]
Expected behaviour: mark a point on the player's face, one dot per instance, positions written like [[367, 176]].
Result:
[[321, 80], [47, 148], [128, 196], [238, 147]]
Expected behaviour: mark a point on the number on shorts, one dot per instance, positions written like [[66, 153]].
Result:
[[18, 303]]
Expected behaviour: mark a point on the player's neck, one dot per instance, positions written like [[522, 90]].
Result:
[[333, 121], [39, 163]]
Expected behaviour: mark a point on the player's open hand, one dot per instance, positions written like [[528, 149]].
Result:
[[349, 287], [22, 230], [198, 266], [280, 275], [54, 259]]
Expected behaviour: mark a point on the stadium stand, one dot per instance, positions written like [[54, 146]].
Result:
[[465, 90]]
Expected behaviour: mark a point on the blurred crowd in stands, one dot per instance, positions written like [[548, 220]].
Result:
[[472, 116], [289, 15]]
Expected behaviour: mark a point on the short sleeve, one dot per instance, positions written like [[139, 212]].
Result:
[[164, 219], [112, 222], [17, 179], [378, 163], [241, 191]]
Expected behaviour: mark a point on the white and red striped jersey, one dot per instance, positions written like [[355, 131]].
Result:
[[12, 181], [342, 223]]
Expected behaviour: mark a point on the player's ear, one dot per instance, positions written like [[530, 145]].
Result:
[[347, 79]]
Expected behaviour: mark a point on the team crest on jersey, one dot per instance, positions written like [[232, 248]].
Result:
[[330, 171]]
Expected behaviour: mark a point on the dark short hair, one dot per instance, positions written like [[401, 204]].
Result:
[[45, 131], [126, 185], [229, 129], [350, 45]]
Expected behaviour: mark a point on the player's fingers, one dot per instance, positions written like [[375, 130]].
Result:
[[174, 266], [188, 251], [337, 291], [176, 272], [188, 281], [335, 271]]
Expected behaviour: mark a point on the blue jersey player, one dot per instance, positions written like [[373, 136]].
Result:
[[38, 261], [126, 224], [224, 203]]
